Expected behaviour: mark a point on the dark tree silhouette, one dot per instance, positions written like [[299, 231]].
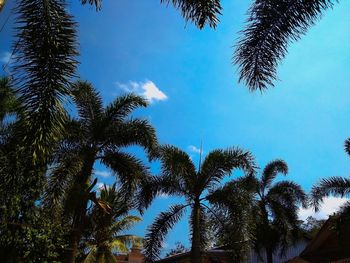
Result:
[[271, 25], [180, 178]]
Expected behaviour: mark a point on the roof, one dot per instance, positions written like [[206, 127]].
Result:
[[327, 245]]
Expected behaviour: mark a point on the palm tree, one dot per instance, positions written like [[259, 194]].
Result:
[[180, 178], [271, 25], [107, 227], [98, 134], [45, 53], [277, 205], [232, 220], [336, 185]]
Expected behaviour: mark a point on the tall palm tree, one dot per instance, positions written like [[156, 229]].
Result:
[[271, 25], [336, 185], [45, 51], [97, 134], [277, 205], [107, 227], [180, 178]]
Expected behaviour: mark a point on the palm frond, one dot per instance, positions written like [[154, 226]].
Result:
[[176, 164], [132, 132], [219, 163], [338, 186], [289, 193], [88, 102], [122, 106], [158, 230], [200, 12], [128, 168], [271, 171], [91, 257], [125, 223], [347, 146], [59, 181], [271, 25], [148, 190], [45, 63], [127, 241], [96, 3], [119, 245]]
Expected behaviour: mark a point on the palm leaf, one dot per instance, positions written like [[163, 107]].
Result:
[[337, 186], [271, 171], [128, 168], [125, 223], [200, 12], [158, 230], [132, 132], [219, 163], [270, 27], [122, 106], [88, 102]]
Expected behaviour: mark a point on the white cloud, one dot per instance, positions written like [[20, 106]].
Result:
[[147, 89], [330, 205], [102, 173], [194, 149], [5, 57]]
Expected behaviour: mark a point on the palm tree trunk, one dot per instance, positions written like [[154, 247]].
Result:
[[196, 237], [80, 212], [269, 255]]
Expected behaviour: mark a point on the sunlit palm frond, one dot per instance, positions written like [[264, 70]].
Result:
[[271, 25], [158, 230]]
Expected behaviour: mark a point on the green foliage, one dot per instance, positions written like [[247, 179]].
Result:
[[96, 134], [105, 233]]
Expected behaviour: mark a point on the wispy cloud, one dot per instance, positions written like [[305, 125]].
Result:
[[102, 173], [5, 57], [147, 89], [329, 206], [194, 149]]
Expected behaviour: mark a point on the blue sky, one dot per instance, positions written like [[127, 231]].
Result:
[[144, 46]]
